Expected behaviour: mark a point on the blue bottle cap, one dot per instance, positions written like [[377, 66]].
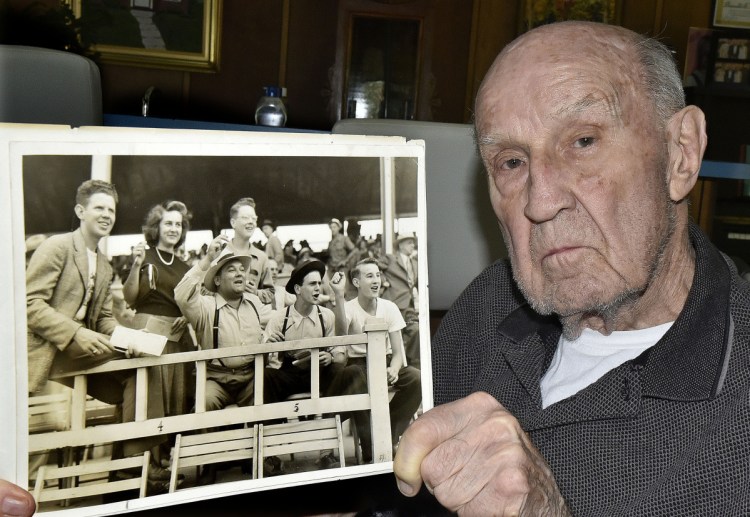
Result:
[[272, 91]]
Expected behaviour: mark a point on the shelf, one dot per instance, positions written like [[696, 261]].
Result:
[[725, 170]]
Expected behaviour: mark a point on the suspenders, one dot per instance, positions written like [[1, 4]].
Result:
[[286, 320], [215, 343]]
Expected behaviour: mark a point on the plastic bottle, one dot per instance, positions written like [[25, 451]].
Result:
[[271, 110]]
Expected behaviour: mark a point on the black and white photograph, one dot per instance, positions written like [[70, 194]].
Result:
[[205, 315]]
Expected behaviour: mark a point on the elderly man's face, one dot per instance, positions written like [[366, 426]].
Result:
[[576, 168]]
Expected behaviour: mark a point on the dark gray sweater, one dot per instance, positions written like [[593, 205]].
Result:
[[665, 434]]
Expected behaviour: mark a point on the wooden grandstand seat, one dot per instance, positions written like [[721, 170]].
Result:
[[300, 436], [194, 450], [90, 478], [49, 412]]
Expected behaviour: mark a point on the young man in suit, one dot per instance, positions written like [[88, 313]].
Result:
[[69, 312], [68, 297]]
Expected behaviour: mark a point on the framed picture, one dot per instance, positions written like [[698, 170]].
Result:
[[174, 34], [731, 14], [730, 68], [540, 12], [66, 442]]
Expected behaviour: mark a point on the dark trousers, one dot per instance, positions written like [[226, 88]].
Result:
[[353, 380], [280, 383], [410, 335]]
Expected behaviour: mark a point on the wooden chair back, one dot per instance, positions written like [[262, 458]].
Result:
[[194, 450], [91, 478], [300, 436]]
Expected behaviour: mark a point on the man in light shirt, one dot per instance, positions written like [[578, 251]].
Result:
[[351, 317]]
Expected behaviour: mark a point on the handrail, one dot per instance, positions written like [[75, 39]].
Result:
[[375, 400], [217, 353]]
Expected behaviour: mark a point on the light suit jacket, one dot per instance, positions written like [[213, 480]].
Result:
[[399, 290], [56, 279]]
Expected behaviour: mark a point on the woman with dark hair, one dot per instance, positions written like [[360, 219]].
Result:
[[149, 290]]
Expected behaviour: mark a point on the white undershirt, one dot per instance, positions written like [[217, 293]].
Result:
[[580, 363]]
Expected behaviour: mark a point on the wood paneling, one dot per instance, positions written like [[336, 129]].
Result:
[[495, 24], [463, 40]]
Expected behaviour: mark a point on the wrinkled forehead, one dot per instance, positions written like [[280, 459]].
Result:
[[563, 63]]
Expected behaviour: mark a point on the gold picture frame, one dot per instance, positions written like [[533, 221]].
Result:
[[121, 30], [540, 12], [728, 14]]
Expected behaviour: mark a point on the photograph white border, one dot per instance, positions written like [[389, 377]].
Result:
[[19, 140]]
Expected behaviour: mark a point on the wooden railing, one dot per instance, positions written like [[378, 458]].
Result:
[[375, 400]]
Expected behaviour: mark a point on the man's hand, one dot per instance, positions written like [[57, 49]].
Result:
[[214, 250], [392, 374], [179, 324], [338, 283], [324, 358], [88, 342], [274, 336], [474, 457]]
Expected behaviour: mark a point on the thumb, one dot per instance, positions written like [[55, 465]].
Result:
[[420, 439], [432, 429]]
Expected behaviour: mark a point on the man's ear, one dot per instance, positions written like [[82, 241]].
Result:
[[79, 211], [355, 282], [686, 134], [297, 289], [217, 280]]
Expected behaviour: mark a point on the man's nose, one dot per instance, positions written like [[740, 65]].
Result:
[[547, 190]]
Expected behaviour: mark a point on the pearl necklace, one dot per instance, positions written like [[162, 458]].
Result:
[[162, 258]]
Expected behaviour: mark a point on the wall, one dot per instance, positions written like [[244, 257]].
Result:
[[496, 23], [295, 42], [253, 34]]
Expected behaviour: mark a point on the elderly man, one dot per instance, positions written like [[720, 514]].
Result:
[[604, 372]]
